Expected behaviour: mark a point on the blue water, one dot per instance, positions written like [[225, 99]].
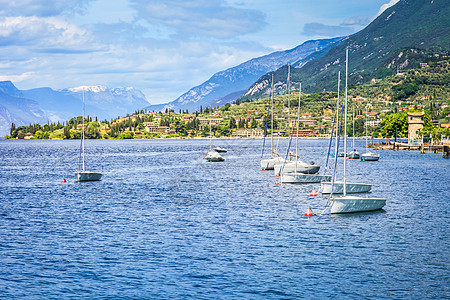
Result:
[[163, 223]]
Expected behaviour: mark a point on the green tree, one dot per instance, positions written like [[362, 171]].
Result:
[[395, 124], [66, 132], [180, 127]]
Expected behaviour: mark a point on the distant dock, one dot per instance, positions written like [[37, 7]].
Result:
[[424, 148]]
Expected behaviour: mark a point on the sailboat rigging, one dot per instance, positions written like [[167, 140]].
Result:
[[345, 203], [82, 174], [268, 164]]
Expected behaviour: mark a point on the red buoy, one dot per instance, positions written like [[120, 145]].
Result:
[[203, 158], [276, 182], [313, 193], [64, 180], [278, 175], [309, 212]]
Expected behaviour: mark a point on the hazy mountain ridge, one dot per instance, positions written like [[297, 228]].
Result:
[[228, 85], [42, 105]]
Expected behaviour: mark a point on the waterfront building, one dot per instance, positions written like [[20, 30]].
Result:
[[415, 124]]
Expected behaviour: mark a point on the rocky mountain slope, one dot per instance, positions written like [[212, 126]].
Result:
[[227, 86], [375, 50]]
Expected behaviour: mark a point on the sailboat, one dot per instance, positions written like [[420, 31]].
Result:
[[298, 171], [369, 155], [82, 174], [345, 203], [353, 154], [268, 163], [212, 155], [296, 166]]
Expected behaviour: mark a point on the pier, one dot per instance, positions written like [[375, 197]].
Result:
[[424, 148]]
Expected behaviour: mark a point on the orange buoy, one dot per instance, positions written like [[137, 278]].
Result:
[[64, 180], [313, 193], [263, 169], [309, 212], [276, 182], [278, 175]]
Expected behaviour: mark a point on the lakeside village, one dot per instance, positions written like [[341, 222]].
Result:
[[386, 106]]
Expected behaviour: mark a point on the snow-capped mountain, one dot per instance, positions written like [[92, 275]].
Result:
[[110, 102], [227, 86], [41, 105]]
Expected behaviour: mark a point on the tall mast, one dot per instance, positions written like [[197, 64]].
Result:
[[345, 123], [289, 100], [353, 127], [271, 126], [298, 122], [337, 118], [366, 128], [82, 136]]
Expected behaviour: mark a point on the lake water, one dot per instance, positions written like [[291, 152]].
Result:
[[163, 223]]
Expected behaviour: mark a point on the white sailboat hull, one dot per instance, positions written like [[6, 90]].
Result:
[[298, 167], [351, 204], [369, 156], [303, 178], [213, 156], [88, 176], [354, 155], [338, 187], [268, 164]]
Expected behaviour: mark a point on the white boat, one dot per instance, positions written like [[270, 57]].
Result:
[[303, 178], [338, 187], [268, 163], [213, 156], [296, 166], [369, 156], [220, 150], [88, 176], [82, 174], [353, 154], [352, 204]]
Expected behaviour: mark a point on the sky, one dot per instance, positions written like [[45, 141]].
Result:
[[161, 47]]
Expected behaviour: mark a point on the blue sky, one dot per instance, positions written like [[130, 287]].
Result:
[[161, 47]]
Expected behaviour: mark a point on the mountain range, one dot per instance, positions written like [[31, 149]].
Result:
[[388, 44], [380, 49], [42, 105], [229, 85]]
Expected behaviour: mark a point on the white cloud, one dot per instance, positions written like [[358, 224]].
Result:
[[200, 18], [386, 6], [323, 30], [42, 8], [41, 33], [360, 20], [17, 78]]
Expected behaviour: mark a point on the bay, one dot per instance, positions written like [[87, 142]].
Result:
[[163, 223]]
